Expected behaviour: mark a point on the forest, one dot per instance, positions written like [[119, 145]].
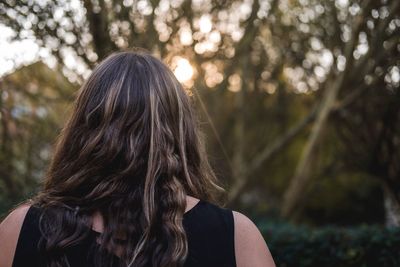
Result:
[[299, 102]]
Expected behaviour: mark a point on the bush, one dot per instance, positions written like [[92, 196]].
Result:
[[364, 246]]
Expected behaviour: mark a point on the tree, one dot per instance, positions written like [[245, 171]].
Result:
[[33, 104], [268, 70], [370, 36]]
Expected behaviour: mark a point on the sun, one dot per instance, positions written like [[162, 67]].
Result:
[[184, 70]]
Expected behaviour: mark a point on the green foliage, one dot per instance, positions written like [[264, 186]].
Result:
[[363, 246], [34, 103]]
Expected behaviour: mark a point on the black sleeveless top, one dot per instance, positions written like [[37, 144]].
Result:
[[209, 229]]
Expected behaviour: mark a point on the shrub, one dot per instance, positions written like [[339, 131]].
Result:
[[363, 246]]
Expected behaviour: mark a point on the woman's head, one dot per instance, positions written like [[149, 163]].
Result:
[[132, 150]]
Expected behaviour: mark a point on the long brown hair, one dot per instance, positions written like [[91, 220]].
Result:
[[131, 150]]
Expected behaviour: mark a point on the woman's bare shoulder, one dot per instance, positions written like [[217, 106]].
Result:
[[10, 228], [250, 246]]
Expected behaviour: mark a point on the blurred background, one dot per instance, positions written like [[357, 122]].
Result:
[[300, 102]]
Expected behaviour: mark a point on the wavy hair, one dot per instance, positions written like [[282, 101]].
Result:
[[132, 150]]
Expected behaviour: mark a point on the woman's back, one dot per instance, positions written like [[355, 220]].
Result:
[[209, 229]]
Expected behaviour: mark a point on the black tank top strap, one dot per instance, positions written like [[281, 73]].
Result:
[[210, 232], [27, 250]]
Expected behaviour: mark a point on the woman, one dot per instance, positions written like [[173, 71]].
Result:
[[129, 183]]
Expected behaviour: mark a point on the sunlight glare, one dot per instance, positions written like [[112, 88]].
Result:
[[205, 24], [183, 70]]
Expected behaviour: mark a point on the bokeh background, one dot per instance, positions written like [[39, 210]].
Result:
[[300, 102]]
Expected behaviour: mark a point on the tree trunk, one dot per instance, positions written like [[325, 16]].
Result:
[[238, 167], [392, 208], [301, 179]]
